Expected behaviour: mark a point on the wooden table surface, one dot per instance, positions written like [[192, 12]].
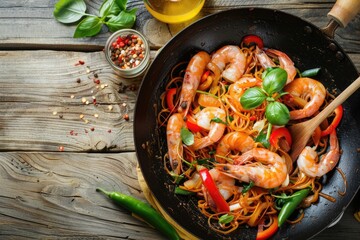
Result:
[[55, 150]]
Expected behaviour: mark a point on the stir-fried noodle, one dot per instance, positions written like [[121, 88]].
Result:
[[208, 127]]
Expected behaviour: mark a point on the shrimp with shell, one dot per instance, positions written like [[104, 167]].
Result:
[[230, 61], [310, 90], [212, 119], [308, 159], [192, 77], [233, 141], [174, 142], [268, 171]]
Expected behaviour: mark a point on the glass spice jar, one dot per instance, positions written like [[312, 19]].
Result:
[[128, 53]]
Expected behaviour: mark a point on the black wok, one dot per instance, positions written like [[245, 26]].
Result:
[[308, 47]]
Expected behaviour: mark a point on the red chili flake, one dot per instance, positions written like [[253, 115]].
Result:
[[94, 101], [80, 62], [92, 129], [109, 131], [86, 131], [72, 132], [126, 117], [96, 80], [61, 148]]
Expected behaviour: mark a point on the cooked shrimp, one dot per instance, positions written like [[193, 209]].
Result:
[[225, 184], [264, 60], [236, 141], [307, 161], [269, 171], [309, 89], [174, 142], [205, 119], [231, 62], [193, 74], [237, 89], [285, 63]]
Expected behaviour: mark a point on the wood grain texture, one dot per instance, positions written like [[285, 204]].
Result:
[[53, 196], [42, 102], [44, 32], [48, 194]]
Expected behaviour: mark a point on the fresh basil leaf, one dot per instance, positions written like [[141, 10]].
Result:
[[121, 4], [186, 136], [226, 218], [277, 113], [261, 138], [252, 98], [123, 20], [263, 75], [218, 120], [89, 26], [69, 11], [274, 80], [109, 7], [247, 187], [310, 72]]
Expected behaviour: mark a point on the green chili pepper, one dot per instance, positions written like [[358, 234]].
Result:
[[181, 191], [291, 203], [145, 211]]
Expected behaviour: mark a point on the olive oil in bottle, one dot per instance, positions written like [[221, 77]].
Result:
[[174, 11]]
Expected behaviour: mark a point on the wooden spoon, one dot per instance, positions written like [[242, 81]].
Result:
[[301, 132]]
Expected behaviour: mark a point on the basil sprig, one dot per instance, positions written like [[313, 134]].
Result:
[[274, 80], [112, 13]]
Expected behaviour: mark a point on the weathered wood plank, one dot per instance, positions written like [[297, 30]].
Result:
[[53, 196], [42, 104], [34, 26]]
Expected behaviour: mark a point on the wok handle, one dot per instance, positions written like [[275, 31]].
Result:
[[344, 11]]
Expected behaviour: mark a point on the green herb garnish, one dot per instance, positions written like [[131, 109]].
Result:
[[112, 13]]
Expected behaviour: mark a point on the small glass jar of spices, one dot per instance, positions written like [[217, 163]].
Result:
[[128, 53]]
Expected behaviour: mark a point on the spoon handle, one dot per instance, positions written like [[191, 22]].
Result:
[[337, 101]]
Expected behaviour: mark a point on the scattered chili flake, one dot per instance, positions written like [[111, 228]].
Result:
[[96, 80], [86, 131], [92, 129], [126, 117], [94, 101], [78, 80], [80, 62], [109, 131], [72, 132], [61, 148]]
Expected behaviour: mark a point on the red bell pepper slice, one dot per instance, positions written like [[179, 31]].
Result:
[[281, 134], [253, 39], [170, 98], [338, 115], [192, 126], [208, 181], [204, 76], [267, 233]]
